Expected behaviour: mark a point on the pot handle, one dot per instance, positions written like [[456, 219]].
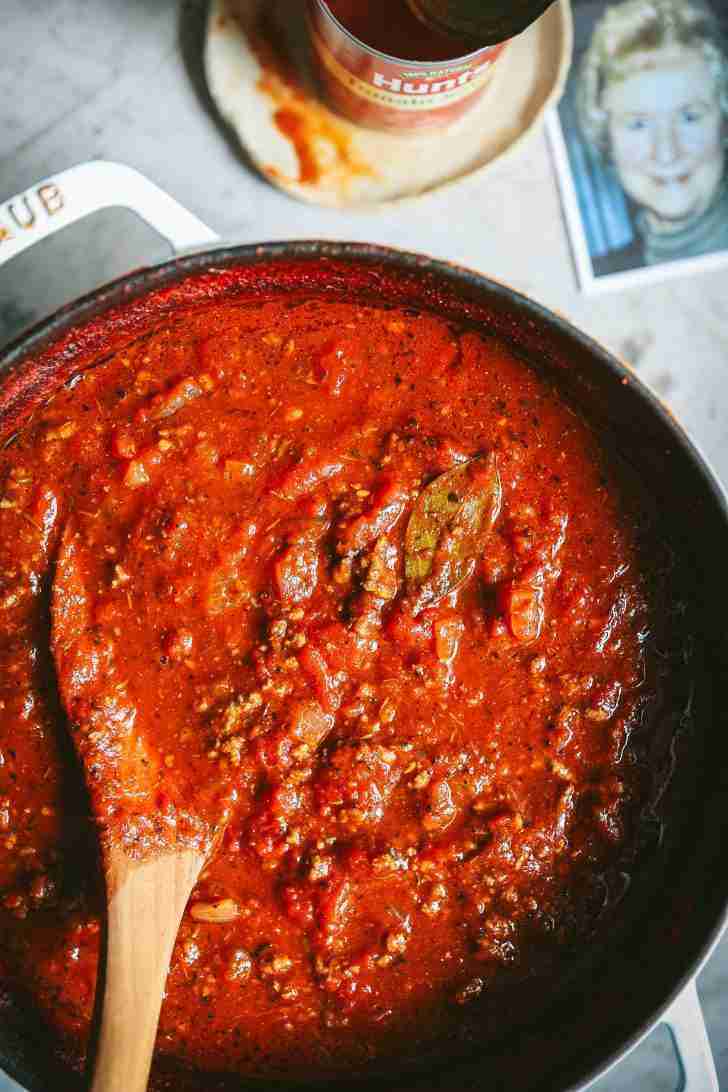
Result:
[[86, 188], [686, 1024]]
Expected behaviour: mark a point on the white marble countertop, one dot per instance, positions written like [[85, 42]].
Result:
[[122, 79]]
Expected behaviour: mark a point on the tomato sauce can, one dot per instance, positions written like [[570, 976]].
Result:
[[379, 91]]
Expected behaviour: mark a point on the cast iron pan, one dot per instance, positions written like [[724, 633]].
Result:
[[675, 911]]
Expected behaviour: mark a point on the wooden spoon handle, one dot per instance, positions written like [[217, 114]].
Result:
[[146, 903]]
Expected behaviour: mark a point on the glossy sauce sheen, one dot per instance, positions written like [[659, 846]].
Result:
[[428, 779]]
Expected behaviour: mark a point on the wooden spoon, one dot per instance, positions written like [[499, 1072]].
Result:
[[151, 861], [146, 901]]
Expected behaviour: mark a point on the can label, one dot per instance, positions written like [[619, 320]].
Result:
[[371, 89]]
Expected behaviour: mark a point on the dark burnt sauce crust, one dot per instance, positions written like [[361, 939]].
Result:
[[363, 588]]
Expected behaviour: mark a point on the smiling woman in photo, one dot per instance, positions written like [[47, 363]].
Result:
[[652, 98]]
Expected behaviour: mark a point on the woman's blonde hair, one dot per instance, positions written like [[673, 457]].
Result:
[[622, 37]]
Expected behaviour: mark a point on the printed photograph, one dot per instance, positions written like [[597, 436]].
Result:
[[640, 140]]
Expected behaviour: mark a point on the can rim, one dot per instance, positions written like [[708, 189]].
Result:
[[456, 62], [523, 21]]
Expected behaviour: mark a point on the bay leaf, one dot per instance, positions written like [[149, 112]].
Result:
[[446, 530]]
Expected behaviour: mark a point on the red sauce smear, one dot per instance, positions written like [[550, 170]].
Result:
[[323, 146]]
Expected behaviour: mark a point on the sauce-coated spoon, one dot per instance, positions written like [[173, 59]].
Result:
[[151, 862]]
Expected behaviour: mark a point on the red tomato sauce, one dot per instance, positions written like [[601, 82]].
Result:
[[362, 585]]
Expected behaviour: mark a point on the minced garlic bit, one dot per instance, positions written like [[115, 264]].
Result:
[[216, 913], [62, 432]]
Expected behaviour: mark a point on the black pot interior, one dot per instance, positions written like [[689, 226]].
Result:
[[676, 908]]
